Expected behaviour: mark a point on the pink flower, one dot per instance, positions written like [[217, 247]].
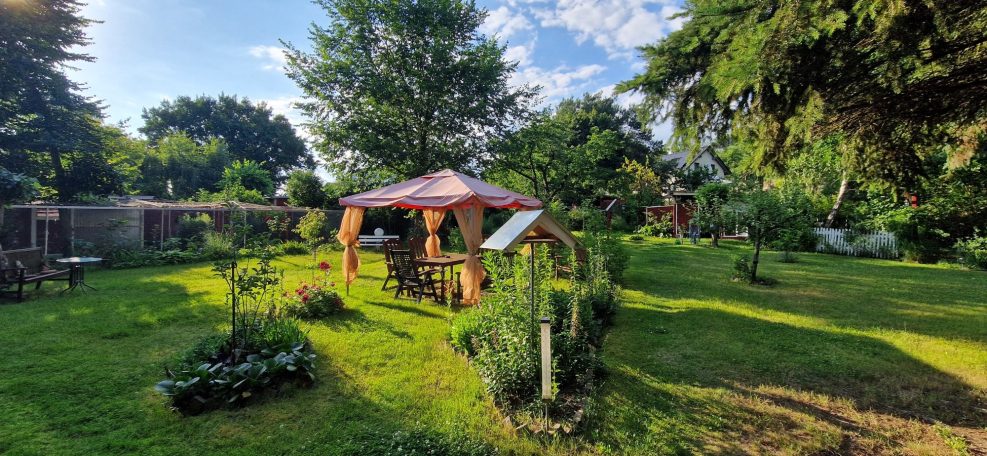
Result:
[[325, 266], [305, 298]]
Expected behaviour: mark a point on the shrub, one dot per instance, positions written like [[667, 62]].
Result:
[[315, 301], [656, 226], [742, 268], [455, 240], [498, 335], [973, 252], [786, 256], [635, 237], [216, 245], [191, 228], [293, 248], [467, 328]]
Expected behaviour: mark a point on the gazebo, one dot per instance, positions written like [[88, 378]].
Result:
[[434, 194]]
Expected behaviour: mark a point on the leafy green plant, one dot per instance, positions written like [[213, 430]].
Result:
[[422, 442], [973, 252], [742, 267], [293, 248], [656, 226], [192, 228]]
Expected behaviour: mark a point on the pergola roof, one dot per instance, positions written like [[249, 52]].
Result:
[[444, 189]]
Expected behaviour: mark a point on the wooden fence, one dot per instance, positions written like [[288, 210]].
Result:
[[875, 244]]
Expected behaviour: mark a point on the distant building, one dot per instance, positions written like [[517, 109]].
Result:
[[707, 159]]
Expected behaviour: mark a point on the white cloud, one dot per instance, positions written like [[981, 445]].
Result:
[[285, 106], [520, 53], [505, 23], [617, 26], [273, 56], [559, 82]]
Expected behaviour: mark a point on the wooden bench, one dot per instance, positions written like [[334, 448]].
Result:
[[32, 269], [377, 240]]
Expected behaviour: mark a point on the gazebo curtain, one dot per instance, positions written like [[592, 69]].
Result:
[[470, 221], [349, 232], [433, 219]]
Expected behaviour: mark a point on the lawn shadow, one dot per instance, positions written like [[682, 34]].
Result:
[[355, 320], [665, 377]]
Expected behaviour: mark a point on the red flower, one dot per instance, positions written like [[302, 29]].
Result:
[[325, 266], [305, 298]]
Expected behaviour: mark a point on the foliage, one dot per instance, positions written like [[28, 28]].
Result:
[[770, 218], [973, 252], [711, 209], [644, 184], [313, 227], [215, 383], [293, 248], [252, 131], [177, 167], [953, 207], [249, 175], [455, 241], [192, 228], [317, 300], [742, 268], [216, 245], [409, 87], [305, 189], [15, 188], [500, 337], [656, 225], [232, 193], [572, 152], [896, 78], [50, 130]]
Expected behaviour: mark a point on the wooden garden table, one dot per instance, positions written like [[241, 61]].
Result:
[[449, 260]]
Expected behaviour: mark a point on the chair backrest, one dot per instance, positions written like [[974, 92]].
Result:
[[31, 258], [404, 264], [417, 247], [389, 245]]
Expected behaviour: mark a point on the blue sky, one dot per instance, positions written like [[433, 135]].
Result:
[[151, 50]]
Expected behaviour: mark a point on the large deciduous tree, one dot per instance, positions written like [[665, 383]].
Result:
[[573, 151], [897, 78], [252, 131], [407, 86], [305, 189]]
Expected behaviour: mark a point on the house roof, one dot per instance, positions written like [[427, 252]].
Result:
[[682, 160]]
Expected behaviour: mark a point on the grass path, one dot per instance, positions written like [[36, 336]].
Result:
[[843, 356]]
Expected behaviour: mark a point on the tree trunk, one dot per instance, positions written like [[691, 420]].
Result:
[[755, 260], [844, 186], [715, 237]]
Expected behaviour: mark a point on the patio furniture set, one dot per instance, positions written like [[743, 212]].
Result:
[[23, 267]]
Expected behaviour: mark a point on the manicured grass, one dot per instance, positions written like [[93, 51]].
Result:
[[843, 355]]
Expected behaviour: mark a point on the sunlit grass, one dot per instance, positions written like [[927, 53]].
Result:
[[843, 356]]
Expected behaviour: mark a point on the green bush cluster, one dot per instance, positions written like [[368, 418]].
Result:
[[973, 252], [656, 226], [206, 379], [503, 341], [293, 248]]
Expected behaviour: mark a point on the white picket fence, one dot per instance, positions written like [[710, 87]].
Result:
[[876, 244]]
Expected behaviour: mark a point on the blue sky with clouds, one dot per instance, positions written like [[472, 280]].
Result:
[[151, 50]]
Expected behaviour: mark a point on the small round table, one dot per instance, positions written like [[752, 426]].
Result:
[[77, 271]]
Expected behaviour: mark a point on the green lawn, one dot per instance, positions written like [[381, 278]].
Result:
[[843, 356]]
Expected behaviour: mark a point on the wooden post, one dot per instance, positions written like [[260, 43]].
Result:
[[546, 359]]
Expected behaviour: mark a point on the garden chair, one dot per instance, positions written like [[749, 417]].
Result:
[[417, 247], [418, 282], [388, 246]]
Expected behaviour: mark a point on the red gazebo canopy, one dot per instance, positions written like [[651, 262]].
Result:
[[446, 189], [434, 194]]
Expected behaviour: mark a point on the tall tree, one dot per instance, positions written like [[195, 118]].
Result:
[[305, 189], [177, 167], [408, 86], [897, 78], [48, 127], [252, 131], [248, 174], [573, 151]]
